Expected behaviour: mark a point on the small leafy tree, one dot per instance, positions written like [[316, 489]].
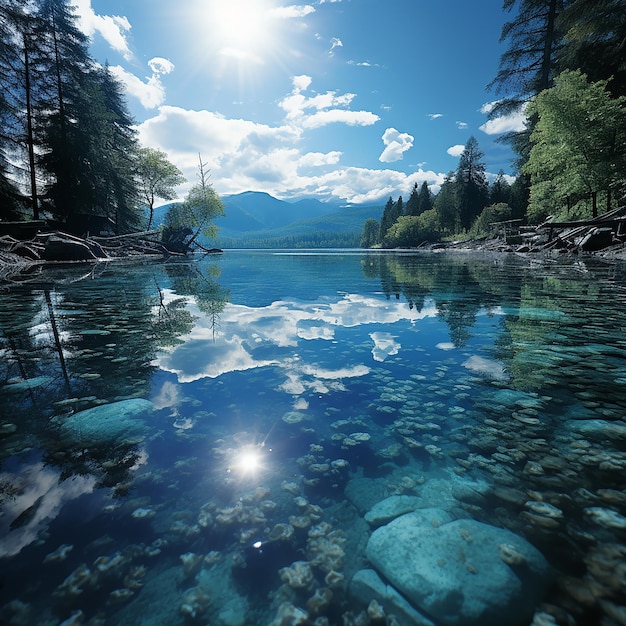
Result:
[[494, 213], [157, 177], [194, 215]]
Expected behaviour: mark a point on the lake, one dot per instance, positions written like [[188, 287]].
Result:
[[315, 437]]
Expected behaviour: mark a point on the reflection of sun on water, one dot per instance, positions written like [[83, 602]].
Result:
[[248, 461]]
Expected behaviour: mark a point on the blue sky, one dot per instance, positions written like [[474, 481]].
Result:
[[343, 100]]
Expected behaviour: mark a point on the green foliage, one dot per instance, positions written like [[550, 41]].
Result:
[[65, 127], [157, 177], [201, 206], [595, 32], [412, 230], [471, 184], [490, 214], [446, 206], [391, 212], [371, 230], [577, 144]]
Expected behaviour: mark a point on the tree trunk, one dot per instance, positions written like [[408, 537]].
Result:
[[31, 137]]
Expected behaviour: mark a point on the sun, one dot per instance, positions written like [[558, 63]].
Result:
[[242, 28]]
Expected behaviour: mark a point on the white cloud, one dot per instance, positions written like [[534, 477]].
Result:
[[247, 155], [327, 108], [292, 11], [516, 122], [396, 144], [434, 116], [112, 28], [318, 159], [150, 93], [456, 151], [461, 125], [335, 42]]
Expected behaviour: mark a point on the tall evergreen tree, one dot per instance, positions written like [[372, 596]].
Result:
[[10, 197], [425, 199], [595, 41], [527, 66], [369, 237], [500, 190], [446, 205], [387, 219], [471, 184], [412, 204]]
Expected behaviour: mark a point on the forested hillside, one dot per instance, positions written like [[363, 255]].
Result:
[[564, 70]]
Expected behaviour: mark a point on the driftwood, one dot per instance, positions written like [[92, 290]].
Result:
[[606, 231], [20, 257]]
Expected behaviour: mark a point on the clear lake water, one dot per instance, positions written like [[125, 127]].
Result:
[[175, 436]]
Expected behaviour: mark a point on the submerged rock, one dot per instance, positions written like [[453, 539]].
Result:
[[107, 423], [390, 508], [453, 571], [366, 586]]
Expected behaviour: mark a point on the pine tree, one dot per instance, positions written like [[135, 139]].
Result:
[[412, 204], [10, 197], [425, 199], [500, 190], [595, 41], [387, 220], [527, 66], [446, 205], [471, 184]]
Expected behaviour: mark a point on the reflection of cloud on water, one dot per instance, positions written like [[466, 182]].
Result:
[[42, 497], [245, 333], [486, 367], [385, 345], [207, 358], [306, 377], [168, 396]]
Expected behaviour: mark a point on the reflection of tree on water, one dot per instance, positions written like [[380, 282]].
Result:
[[448, 281], [200, 282], [86, 343]]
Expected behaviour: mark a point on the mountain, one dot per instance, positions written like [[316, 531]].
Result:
[[253, 210], [256, 219]]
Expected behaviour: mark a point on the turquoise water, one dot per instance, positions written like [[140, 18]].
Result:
[[206, 442]]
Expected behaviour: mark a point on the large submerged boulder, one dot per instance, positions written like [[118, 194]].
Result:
[[107, 423], [460, 572]]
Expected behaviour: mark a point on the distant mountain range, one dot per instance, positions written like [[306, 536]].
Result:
[[256, 219]]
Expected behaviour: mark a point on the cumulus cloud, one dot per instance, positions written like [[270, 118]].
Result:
[[150, 92], [434, 116], [322, 109], [456, 151], [515, 122], [292, 11], [250, 155], [113, 28], [396, 144], [461, 125]]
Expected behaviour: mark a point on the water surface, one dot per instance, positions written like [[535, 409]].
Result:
[[263, 402]]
